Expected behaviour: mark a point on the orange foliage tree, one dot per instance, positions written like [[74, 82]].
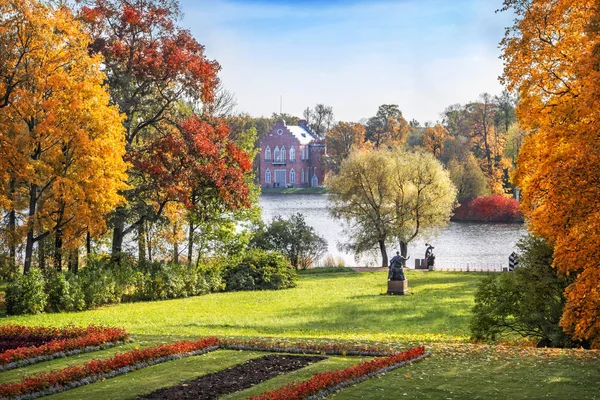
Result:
[[340, 140], [61, 144], [552, 57], [434, 139]]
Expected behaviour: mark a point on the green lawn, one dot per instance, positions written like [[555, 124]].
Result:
[[334, 307]]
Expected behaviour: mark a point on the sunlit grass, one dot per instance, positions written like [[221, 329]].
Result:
[[342, 305]]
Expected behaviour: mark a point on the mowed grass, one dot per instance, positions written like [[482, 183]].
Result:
[[335, 306]]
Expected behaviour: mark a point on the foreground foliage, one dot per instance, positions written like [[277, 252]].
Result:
[[528, 302]]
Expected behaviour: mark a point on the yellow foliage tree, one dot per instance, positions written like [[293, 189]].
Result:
[[552, 57], [61, 144], [434, 139]]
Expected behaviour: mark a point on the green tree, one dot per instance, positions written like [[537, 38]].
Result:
[[528, 302], [292, 237], [388, 195], [468, 178]]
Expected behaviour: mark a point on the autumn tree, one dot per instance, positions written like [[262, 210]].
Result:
[[390, 195], [151, 65], [552, 59], [319, 119], [61, 144], [468, 178], [340, 140], [434, 139], [388, 127], [423, 196]]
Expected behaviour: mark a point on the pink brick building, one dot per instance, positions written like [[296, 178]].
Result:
[[291, 156]]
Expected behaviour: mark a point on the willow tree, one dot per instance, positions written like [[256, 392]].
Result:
[[390, 195]]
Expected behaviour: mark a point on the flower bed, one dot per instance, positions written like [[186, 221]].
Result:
[[325, 383], [28, 345], [320, 385], [303, 348], [57, 381]]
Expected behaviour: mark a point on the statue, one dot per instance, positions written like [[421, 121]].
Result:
[[429, 257], [396, 271]]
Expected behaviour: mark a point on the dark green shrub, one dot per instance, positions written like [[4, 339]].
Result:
[[213, 274], [65, 293], [161, 281], [260, 270], [528, 302], [26, 294], [104, 282]]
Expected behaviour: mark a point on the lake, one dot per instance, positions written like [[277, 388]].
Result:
[[459, 246]]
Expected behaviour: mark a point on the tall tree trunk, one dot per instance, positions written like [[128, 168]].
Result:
[[149, 240], [176, 252], [384, 256], [58, 242], [118, 235], [403, 252], [30, 228], [42, 254], [190, 243], [74, 261], [142, 242], [88, 243], [12, 231]]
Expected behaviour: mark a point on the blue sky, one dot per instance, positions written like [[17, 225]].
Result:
[[352, 54]]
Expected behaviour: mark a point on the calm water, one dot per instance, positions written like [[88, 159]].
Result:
[[456, 247]]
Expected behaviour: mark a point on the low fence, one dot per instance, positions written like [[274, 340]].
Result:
[[461, 266]]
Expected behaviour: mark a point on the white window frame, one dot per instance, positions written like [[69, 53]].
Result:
[[292, 176], [303, 180], [282, 153], [268, 176], [315, 181], [292, 154], [268, 154], [276, 155]]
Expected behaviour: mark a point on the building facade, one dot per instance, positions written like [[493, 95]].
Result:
[[291, 156]]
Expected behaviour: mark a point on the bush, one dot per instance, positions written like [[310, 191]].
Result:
[[105, 282], [528, 302], [26, 294], [489, 209], [260, 270], [161, 281], [65, 293]]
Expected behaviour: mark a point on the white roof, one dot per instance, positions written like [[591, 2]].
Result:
[[304, 136]]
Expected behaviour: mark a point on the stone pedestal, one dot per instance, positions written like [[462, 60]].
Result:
[[398, 287]]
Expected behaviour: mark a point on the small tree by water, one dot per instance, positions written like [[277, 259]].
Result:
[[292, 237]]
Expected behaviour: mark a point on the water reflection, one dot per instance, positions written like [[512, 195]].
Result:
[[457, 246]]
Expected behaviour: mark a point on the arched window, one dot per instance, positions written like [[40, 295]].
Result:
[[292, 154], [268, 154], [276, 157], [268, 176], [292, 176], [282, 154], [315, 181], [303, 180]]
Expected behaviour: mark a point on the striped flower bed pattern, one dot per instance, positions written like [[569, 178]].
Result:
[[70, 377], [27, 345], [325, 383], [304, 348], [319, 386]]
